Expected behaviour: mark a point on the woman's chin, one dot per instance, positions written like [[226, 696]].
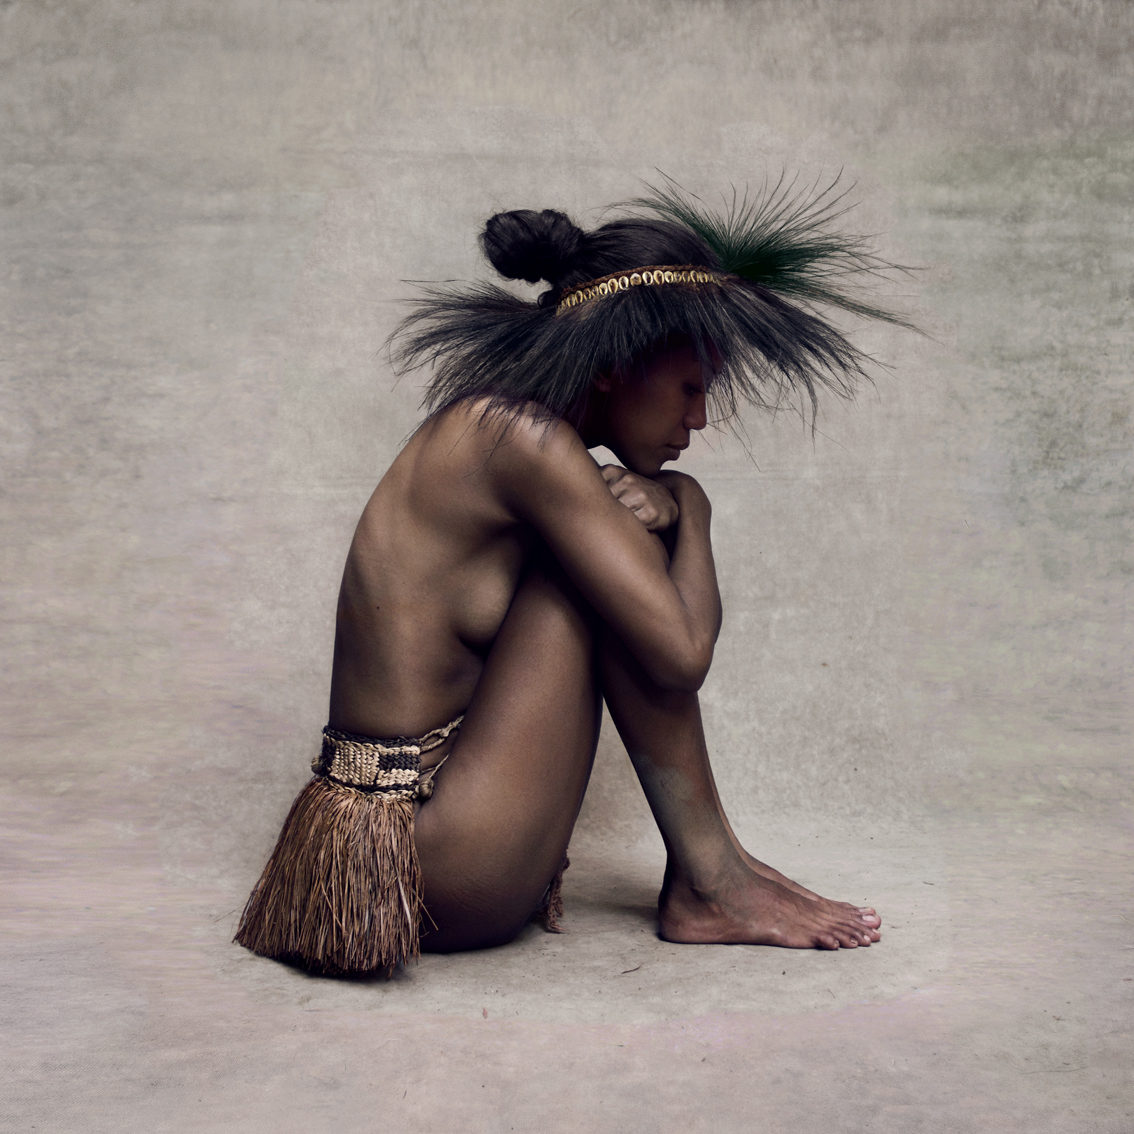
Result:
[[642, 467], [649, 464]]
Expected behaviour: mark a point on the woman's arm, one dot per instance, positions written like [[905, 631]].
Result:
[[650, 502], [691, 567], [667, 613]]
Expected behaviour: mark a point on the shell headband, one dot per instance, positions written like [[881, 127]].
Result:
[[652, 275]]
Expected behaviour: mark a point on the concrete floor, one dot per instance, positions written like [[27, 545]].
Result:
[[922, 695]]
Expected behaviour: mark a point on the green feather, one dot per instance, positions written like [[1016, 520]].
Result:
[[782, 240]]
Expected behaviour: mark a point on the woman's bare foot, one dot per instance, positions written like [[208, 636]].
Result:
[[867, 913], [746, 907]]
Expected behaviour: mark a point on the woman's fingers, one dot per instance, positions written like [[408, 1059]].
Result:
[[652, 504]]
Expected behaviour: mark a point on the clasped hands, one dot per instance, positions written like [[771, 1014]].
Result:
[[651, 502]]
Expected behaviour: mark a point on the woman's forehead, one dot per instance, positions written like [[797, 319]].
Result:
[[686, 362], [709, 361]]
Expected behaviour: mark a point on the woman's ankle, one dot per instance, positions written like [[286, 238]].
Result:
[[704, 879]]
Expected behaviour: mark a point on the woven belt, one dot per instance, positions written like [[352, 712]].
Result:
[[392, 767]]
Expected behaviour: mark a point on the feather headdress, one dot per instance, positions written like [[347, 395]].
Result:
[[745, 283]]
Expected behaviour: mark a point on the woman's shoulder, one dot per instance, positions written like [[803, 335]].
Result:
[[511, 434], [516, 451]]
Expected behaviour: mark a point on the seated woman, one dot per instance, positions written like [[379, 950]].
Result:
[[501, 585]]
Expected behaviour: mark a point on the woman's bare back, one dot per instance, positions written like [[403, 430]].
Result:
[[432, 569]]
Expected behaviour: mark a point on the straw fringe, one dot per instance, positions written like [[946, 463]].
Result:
[[342, 892], [551, 910]]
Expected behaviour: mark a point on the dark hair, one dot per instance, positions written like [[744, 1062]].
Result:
[[484, 341], [548, 245]]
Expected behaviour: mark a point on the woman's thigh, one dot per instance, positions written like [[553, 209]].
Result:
[[497, 826]]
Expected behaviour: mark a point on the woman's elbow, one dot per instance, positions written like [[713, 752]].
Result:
[[684, 671]]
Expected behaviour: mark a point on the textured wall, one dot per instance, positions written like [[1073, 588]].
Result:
[[207, 211]]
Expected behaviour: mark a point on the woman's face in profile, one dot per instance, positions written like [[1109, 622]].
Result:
[[648, 419]]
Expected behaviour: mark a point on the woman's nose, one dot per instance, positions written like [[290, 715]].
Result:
[[695, 417]]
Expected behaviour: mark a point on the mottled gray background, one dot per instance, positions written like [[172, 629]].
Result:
[[922, 695]]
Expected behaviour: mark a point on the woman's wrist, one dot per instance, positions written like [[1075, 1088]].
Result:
[[690, 496]]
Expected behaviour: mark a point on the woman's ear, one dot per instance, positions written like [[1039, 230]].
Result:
[[603, 381]]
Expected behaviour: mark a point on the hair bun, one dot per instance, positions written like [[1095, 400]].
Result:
[[533, 246]]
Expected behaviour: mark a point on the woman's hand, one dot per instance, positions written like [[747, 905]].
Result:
[[650, 502]]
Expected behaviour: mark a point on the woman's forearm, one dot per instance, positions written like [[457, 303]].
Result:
[[692, 571]]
